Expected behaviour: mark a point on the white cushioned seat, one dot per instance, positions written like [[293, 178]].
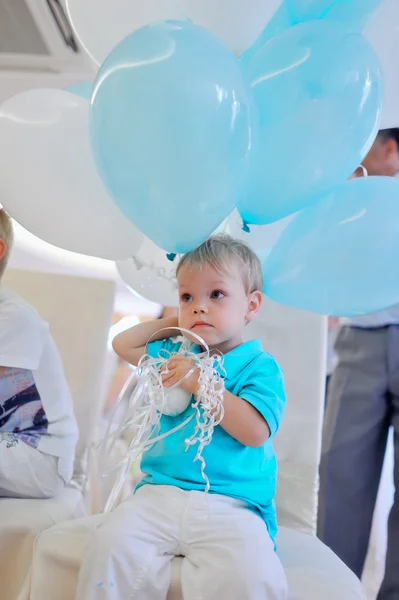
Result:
[[313, 571], [20, 522]]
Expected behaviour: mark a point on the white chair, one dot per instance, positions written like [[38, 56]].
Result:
[[79, 313], [298, 340]]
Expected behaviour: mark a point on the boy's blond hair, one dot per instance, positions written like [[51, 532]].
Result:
[[219, 251], [6, 234]]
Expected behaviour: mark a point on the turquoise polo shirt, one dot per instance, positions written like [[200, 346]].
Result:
[[234, 470]]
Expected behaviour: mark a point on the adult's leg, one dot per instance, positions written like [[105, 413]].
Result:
[[390, 586], [129, 555], [354, 441], [26, 472], [228, 553]]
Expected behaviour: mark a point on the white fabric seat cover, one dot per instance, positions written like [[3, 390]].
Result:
[[21, 521], [313, 571]]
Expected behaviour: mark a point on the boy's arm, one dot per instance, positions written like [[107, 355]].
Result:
[[243, 422], [242, 419], [130, 345]]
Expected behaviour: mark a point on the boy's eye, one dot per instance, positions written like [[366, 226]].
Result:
[[217, 295], [185, 298]]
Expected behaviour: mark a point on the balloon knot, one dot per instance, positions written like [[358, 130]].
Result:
[[245, 227], [171, 256]]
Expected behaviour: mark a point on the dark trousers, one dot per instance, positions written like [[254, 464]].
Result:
[[363, 402]]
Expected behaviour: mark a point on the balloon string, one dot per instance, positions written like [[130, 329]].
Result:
[[144, 410], [209, 412], [159, 271]]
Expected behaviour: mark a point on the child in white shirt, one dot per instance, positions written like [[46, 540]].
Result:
[[38, 431]]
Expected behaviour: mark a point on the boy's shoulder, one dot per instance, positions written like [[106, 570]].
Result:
[[267, 364], [267, 357], [249, 363], [23, 334], [264, 364], [17, 317], [12, 305], [252, 355]]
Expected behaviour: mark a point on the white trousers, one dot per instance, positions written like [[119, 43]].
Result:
[[26, 472], [228, 553]]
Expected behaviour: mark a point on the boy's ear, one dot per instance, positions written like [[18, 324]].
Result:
[[254, 304], [390, 148], [3, 249]]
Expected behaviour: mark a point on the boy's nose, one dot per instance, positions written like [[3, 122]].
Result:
[[199, 310]]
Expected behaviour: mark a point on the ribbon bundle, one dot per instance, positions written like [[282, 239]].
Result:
[[149, 401]]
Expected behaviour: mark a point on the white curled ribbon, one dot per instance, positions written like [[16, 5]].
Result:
[[209, 409], [143, 411]]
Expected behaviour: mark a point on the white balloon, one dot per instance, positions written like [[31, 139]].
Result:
[[150, 274], [176, 402], [383, 32], [48, 180], [101, 24]]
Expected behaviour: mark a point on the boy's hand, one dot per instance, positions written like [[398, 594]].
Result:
[[177, 368]]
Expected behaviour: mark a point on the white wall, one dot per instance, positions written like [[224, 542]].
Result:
[[44, 258]]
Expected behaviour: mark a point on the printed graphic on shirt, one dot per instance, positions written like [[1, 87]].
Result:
[[10, 439], [21, 409]]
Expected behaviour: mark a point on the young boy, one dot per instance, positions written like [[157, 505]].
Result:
[[226, 536], [38, 432]]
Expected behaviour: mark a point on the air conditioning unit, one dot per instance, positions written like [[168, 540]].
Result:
[[35, 35]]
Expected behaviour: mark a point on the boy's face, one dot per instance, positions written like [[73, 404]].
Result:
[[215, 305]]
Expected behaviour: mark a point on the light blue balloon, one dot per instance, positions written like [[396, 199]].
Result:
[[281, 21], [82, 89], [340, 256], [263, 254], [173, 125], [354, 14], [318, 89], [351, 13]]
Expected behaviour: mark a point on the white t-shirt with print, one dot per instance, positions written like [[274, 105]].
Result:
[[35, 401]]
